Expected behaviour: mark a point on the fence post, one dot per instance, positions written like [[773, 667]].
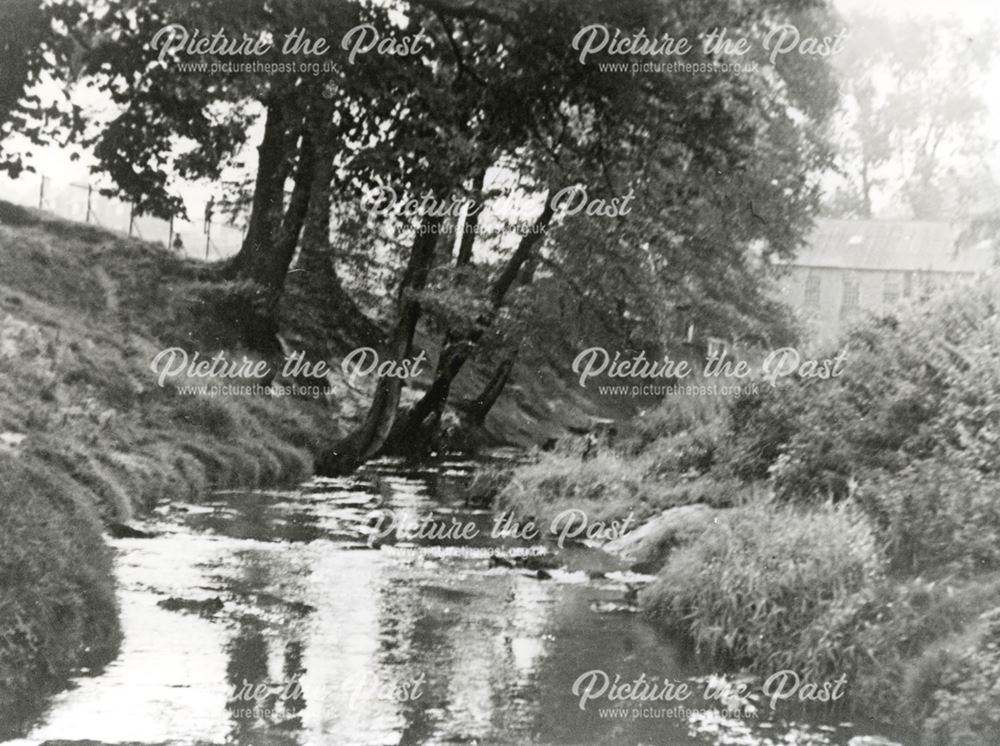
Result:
[[90, 190], [131, 218], [41, 193], [170, 235], [208, 237]]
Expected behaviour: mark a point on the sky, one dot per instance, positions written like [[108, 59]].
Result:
[[56, 163], [973, 13]]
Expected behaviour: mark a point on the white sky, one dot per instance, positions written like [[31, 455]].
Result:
[[972, 13]]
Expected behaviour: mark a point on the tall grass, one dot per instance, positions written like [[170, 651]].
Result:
[[763, 583], [57, 606], [606, 487]]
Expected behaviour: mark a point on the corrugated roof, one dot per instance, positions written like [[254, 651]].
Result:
[[902, 245]]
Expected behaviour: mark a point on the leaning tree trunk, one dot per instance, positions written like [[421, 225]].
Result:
[[479, 407], [367, 440], [417, 426]]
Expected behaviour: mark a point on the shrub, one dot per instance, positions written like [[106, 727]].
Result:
[[674, 415], [905, 635], [964, 706], [690, 452], [606, 487], [969, 424], [206, 415], [762, 583], [708, 489], [935, 515], [760, 426], [922, 385]]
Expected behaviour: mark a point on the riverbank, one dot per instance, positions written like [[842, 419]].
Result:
[[89, 442], [854, 527], [440, 643]]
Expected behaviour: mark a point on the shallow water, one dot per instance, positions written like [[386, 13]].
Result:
[[390, 645]]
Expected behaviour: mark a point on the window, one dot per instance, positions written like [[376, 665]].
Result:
[[891, 290], [852, 296], [812, 294], [716, 347]]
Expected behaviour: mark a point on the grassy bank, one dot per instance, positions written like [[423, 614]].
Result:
[[861, 529], [87, 438], [656, 464]]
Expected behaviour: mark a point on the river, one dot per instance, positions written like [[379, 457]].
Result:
[[266, 618]]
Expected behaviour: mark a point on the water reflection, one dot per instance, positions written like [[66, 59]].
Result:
[[317, 639]]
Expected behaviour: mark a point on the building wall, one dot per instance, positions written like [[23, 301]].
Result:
[[829, 299]]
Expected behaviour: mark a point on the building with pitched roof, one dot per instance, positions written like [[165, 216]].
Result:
[[852, 267]]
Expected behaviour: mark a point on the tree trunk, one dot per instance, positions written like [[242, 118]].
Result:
[[415, 428], [866, 192], [270, 267], [470, 228], [368, 439], [273, 164], [267, 265], [479, 407], [345, 323], [273, 232]]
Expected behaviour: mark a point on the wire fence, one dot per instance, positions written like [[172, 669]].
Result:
[[83, 202]]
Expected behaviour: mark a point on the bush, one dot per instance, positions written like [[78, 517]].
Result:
[[676, 414], [760, 426], [903, 636], [606, 487], [763, 583], [964, 706], [206, 414], [714, 491], [936, 515], [923, 385], [691, 452]]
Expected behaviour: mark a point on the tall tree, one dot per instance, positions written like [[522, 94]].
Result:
[[35, 44], [717, 162], [911, 129]]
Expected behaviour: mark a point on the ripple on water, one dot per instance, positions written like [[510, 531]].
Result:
[[301, 597]]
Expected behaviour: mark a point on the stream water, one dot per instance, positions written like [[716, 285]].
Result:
[[266, 618]]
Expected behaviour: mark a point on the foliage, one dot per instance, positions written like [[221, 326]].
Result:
[[605, 487], [964, 708], [497, 87], [674, 415], [935, 516], [58, 606], [759, 584], [34, 43], [690, 453], [920, 385], [911, 126]]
